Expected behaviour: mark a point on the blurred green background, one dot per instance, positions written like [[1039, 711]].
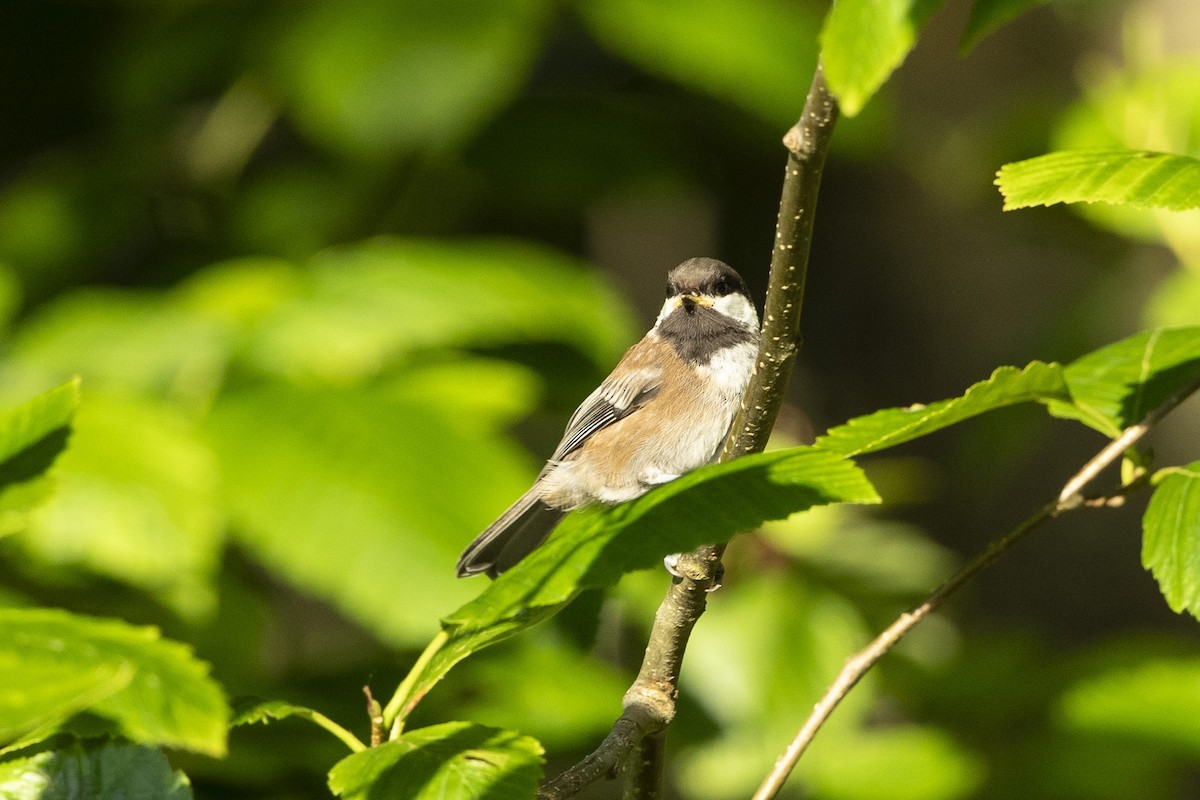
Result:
[[335, 273]]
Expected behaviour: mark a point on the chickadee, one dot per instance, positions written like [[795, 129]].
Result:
[[665, 410]]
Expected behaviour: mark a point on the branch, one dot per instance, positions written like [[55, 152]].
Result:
[[1069, 499], [649, 705]]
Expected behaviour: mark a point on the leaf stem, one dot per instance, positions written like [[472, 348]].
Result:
[[349, 739], [401, 703]]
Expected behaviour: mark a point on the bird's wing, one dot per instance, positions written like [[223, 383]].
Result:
[[616, 398]]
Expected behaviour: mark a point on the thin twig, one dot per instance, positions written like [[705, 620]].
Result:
[[649, 705], [858, 664]]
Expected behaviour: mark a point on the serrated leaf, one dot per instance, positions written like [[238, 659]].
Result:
[[346, 492], [249, 711], [1157, 701], [1139, 178], [374, 77], [453, 760], [595, 548], [1153, 105], [988, 15], [1171, 538], [887, 428], [740, 52], [1117, 385], [136, 500], [96, 771], [863, 41], [169, 699]]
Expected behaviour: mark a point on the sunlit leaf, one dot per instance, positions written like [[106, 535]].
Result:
[[863, 41], [893, 426], [456, 759], [865, 766], [97, 771], [32, 435], [1153, 105], [24, 425], [1134, 177], [370, 304], [1117, 385], [988, 15], [741, 52], [374, 77], [153, 690], [136, 500], [1157, 701], [595, 549], [1171, 538], [117, 339], [43, 690], [366, 497]]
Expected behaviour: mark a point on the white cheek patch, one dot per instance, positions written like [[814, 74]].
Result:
[[737, 307]]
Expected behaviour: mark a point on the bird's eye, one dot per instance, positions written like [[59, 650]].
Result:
[[722, 287], [669, 290]]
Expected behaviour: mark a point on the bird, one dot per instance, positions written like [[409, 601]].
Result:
[[665, 410]]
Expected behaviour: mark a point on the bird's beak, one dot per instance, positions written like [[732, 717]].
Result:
[[690, 301]]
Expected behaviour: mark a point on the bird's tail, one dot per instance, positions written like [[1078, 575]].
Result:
[[520, 529]]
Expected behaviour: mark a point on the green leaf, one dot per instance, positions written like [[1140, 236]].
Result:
[[25, 425], [96, 771], [32, 435], [1133, 177], [252, 712], [371, 304], [890, 427], [364, 496], [988, 15], [372, 77], [740, 52], [1156, 702], [137, 500], [595, 548], [1116, 386], [61, 689], [249, 712], [456, 759], [863, 41], [1153, 104], [865, 766], [1171, 538], [153, 690], [130, 341]]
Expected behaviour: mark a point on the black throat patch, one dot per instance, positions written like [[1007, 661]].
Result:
[[699, 333]]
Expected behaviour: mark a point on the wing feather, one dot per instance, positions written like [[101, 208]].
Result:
[[615, 399]]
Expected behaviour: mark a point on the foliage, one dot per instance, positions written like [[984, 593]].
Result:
[[1133, 177], [290, 312]]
